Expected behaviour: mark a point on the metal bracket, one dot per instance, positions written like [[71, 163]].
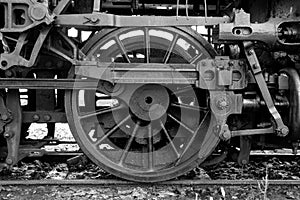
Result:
[[245, 148], [9, 59], [30, 14], [13, 129], [220, 72], [223, 104], [281, 130], [5, 115], [4, 43], [241, 29]]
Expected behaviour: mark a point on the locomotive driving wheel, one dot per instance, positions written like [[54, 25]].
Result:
[[144, 132]]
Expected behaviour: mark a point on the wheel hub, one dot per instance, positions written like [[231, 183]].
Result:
[[149, 102]]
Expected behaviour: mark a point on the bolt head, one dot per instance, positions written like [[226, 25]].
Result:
[[244, 162], [226, 135], [47, 117], [8, 73], [251, 51], [36, 117], [222, 104], [4, 117], [284, 131], [9, 161]]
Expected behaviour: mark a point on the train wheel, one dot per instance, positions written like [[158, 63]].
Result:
[[144, 132]]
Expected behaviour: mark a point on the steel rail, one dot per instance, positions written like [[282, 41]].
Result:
[[107, 182]]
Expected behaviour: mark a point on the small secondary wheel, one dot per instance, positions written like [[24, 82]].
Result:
[[144, 132]]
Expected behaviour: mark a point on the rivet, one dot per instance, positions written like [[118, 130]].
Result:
[[47, 117], [9, 161], [8, 73], [36, 117], [244, 162]]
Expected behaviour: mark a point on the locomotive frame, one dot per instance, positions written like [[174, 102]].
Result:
[[159, 81]]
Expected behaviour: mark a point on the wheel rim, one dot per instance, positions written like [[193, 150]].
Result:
[[147, 132]]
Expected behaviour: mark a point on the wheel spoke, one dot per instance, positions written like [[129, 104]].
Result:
[[183, 90], [181, 124], [169, 139], [187, 147], [128, 145], [197, 57], [189, 107], [150, 153], [170, 49], [147, 45], [122, 48], [111, 131], [100, 112]]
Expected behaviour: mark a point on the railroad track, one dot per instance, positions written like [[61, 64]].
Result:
[[76, 157], [111, 182], [66, 154]]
